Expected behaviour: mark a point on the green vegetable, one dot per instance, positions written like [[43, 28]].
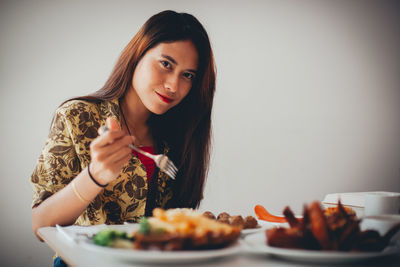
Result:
[[108, 237], [145, 226], [104, 237]]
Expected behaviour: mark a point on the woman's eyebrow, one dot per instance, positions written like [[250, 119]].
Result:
[[174, 61], [170, 58]]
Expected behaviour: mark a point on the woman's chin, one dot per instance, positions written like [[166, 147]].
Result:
[[158, 110]]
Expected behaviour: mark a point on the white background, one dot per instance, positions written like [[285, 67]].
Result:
[[307, 100]]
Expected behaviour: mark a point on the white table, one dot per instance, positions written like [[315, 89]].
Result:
[[74, 255]]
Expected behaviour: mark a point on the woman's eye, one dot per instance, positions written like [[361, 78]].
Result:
[[165, 64], [189, 75]]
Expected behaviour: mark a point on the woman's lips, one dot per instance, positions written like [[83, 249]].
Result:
[[164, 98]]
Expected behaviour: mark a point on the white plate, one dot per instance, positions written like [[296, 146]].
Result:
[[256, 244], [262, 226], [251, 231], [155, 256]]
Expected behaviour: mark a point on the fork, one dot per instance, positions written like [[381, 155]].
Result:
[[161, 160]]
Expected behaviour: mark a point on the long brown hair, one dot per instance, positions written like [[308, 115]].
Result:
[[186, 127]]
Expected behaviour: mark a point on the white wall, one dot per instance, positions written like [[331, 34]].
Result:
[[307, 101]]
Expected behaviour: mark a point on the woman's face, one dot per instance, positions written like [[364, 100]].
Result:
[[165, 74]]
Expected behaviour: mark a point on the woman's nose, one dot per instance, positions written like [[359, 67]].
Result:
[[172, 83]]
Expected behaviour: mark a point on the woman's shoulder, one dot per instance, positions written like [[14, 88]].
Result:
[[81, 118], [76, 106], [77, 112]]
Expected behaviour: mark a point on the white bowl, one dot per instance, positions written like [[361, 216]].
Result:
[[381, 223]]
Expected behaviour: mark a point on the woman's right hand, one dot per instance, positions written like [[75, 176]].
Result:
[[109, 153]]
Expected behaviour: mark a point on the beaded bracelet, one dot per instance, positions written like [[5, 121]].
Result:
[[91, 177]]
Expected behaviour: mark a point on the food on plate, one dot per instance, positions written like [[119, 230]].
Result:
[[237, 221], [209, 215], [337, 229], [330, 210], [113, 238], [175, 229], [264, 215], [187, 229], [249, 222]]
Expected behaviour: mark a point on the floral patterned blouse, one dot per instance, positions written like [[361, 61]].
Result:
[[66, 153]]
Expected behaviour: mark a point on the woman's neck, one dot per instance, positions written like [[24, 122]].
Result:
[[136, 116], [134, 111]]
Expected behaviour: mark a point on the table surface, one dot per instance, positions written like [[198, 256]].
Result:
[[75, 255]]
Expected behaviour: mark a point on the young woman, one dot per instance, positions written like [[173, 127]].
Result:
[[159, 96]]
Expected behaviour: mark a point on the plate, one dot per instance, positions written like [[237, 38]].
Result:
[[263, 225], [256, 244], [156, 256]]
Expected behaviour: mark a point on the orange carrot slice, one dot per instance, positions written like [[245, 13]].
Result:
[[264, 215]]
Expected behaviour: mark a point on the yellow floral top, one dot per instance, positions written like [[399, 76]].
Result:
[[66, 153]]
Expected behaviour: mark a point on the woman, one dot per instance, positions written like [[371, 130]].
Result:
[[159, 96]]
